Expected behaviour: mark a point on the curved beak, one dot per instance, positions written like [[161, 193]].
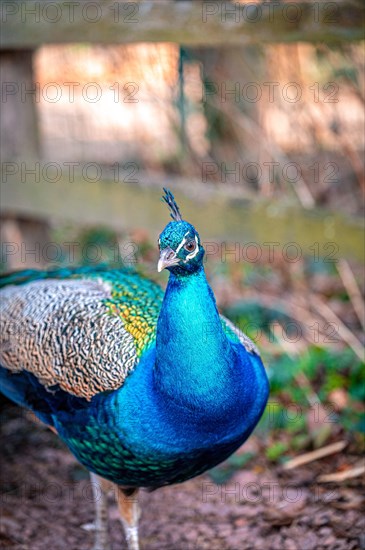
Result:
[[167, 259]]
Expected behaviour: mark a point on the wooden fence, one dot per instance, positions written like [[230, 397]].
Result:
[[29, 24]]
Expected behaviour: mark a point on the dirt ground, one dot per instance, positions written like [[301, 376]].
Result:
[[46, 500]]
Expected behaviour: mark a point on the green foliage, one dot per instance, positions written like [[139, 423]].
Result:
[[276, 450], [319, 265], [348, 73], [327, 371], [253, 319], [290, 423], [99, 244]]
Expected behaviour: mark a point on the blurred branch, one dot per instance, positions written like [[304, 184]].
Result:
[[300, 313], [326, 312], [293, 349], [342, 476], [315, 455], [301, 188], [352, 289]]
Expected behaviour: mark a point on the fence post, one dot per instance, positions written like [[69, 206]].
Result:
[[19, 95]]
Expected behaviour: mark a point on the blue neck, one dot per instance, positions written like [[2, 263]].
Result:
[[194, 359]]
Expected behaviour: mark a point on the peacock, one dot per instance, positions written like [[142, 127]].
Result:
[[146, 388]]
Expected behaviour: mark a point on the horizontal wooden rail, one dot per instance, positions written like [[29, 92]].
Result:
[[29, 23], [220, 213]]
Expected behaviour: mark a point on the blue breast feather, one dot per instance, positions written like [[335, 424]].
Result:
[[170, 420], [130, 438]]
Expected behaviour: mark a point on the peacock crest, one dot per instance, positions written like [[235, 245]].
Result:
[[169, 199]]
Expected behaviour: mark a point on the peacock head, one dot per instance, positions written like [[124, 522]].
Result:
[[181, 251]]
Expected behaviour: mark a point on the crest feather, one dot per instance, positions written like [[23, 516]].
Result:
[[169, 199]]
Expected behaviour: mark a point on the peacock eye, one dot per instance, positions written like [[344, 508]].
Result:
[[190, 246]]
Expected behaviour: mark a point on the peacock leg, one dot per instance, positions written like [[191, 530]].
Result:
[[100, 488], [129, 511]]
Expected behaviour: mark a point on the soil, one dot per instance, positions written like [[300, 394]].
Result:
[[47, 503]]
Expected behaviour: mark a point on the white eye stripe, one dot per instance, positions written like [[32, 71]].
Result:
[[194, 252], [182, 243]]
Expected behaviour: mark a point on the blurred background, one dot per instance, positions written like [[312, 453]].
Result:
[[262, 143]]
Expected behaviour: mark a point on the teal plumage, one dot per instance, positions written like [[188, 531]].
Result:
[[146, 388]]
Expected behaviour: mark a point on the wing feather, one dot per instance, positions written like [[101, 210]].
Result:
[[64, 333]]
